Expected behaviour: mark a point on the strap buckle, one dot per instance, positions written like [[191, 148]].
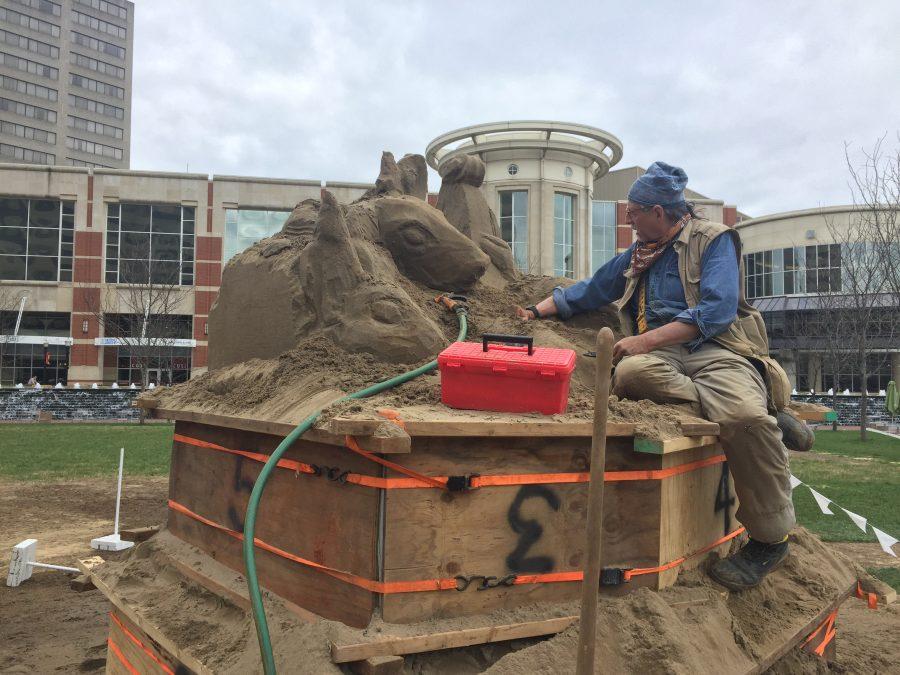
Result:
[[612, 576], [461, 483]]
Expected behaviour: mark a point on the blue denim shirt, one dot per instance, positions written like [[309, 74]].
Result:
[[719, 285]]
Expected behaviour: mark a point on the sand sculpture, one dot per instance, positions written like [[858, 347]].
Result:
[[343, 271]]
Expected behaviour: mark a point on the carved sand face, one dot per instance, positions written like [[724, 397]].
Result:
[[426, 247]]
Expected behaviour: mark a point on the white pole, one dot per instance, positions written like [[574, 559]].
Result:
[[54, 567], [119, 489]]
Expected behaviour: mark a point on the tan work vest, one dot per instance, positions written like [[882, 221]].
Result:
[[747, 333]]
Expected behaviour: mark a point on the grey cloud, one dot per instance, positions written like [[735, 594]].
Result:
[[755, 102]]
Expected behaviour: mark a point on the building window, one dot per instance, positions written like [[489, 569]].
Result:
[[26, 110], [30, 133], [98, 25], [150, 243], [564, 235], [514, 224], [27, 88], [29, 22], [603, 233], [512, 169], [71, 161], [25, 155], [96, 86], [245, 227], [36, 239], [26, 66], [34, 46], [96, 107], [21, 361], [97, 66], [45, 6], [97, 45], [93, 148], [111, 8], [93, 127]]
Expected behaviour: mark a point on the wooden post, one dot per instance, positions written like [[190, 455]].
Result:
[[590, 586]]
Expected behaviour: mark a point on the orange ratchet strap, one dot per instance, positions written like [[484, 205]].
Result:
[[830, 632], [417, 480], [446, 584], [140, 645]]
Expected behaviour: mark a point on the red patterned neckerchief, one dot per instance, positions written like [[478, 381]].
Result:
[[648, 252]]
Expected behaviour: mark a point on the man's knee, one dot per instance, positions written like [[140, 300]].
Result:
[[635, 376]]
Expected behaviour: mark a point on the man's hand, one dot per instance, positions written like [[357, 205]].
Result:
[[524, 314], [631, 346]]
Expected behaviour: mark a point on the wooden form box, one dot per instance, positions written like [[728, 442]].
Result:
[[420, 534]]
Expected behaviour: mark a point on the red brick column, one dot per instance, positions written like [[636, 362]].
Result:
[[207, 280], [624, 233], [87, 274]]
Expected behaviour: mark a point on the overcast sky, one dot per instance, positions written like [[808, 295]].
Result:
[[754, 103]]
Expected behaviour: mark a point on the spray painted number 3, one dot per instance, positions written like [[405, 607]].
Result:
[[529, 531]]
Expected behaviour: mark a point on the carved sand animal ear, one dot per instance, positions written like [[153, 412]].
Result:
[[333, 235], [303, 218], [390, 180], [414, 175], [466, 169]]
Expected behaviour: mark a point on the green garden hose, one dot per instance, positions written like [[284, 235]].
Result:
[[259, 612]]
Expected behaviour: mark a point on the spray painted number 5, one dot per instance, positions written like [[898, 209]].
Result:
[[529, 531]]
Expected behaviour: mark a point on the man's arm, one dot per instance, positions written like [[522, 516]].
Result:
[[607, 285], [719, 288]]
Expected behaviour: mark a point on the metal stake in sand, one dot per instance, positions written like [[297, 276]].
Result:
[[22, 563], [590, 586], [113, 542]]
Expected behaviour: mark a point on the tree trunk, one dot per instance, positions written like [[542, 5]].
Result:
[[863, 411]]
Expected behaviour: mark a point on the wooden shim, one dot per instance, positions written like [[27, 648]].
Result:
[[698, 428], [152, 631], [801, 634], [378, 665], [88, 565], [416, 644], [664, 447], [139, 534]]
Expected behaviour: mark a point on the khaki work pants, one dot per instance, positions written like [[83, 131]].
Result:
[[728, 390]]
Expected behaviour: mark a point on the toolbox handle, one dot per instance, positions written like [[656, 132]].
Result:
[[527, 340]]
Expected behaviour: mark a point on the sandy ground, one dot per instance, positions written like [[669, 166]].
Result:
[[45, 627]]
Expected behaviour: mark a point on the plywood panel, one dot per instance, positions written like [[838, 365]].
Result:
[[519, 529], [330, 523], [137, 649]]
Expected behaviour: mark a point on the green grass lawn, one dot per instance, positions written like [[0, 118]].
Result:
[[55, 451], [861, 477]]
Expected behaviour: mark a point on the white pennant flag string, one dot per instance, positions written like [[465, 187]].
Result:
[[858, 520], [886, 541], [795, 481], [822, 501]]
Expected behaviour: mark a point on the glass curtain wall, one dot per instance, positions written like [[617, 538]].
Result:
[[150, 243], [36, 239], [603, 233], [20, 362], [514, 224], [245, 227], [564, 235]]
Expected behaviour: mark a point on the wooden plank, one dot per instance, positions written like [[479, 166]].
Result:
[[149, 629], [416, 644], [139, 534], [325, 521], [88, 565], [141, 653], [513, 529], [384, 444], [664, 447], [378, 665], [773, 657], [698, 428]]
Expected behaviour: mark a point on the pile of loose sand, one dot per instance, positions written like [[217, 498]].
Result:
[[692, 627]]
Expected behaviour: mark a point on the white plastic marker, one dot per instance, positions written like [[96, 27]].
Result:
[[113, 542], [22, 563]]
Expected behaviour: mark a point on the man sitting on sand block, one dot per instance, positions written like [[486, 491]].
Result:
[[692, 339]]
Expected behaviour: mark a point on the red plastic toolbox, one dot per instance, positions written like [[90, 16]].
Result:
[[506, 378]]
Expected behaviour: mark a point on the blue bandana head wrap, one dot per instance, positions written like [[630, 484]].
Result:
[[663, 184]]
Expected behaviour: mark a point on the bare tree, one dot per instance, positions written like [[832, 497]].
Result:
[[143, 314], [860, 309], [10, 301]]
